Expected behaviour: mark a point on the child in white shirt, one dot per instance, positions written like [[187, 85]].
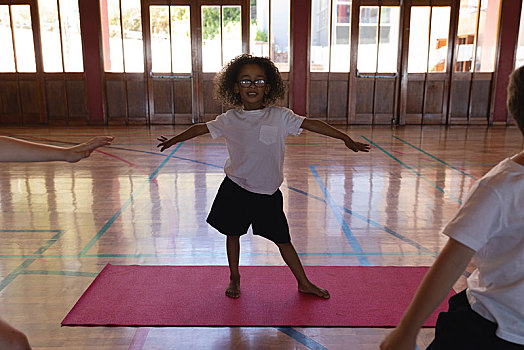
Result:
[[255, 134], [489, 314]]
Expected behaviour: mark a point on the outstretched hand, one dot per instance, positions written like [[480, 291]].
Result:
[[85, 149], [357, 146], [165, 143]]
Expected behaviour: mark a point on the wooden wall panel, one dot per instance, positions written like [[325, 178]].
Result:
[[55, 95], [434, 96], [480, 93], [76, 100], [385, 96], [29, 96], [318, 92], [116, 103], [8, 97], [136, 99], [364, 100], [338, 100], [212, 107], [182, 96], [163, 95], [415, 97], [460, 99]]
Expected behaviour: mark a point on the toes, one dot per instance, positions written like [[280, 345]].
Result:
[[232, 293]]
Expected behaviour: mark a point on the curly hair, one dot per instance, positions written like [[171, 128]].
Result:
[[226, 79], [515, 101]]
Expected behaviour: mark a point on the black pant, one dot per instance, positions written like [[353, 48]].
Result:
[[461, 328]]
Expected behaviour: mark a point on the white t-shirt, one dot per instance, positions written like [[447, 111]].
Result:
[[491, 222], [255, 143]]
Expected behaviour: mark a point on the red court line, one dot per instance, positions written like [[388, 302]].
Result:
[[128, 163], [139, 339]]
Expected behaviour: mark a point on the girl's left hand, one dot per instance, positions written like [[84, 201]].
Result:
[[357, 146], [165, 143]]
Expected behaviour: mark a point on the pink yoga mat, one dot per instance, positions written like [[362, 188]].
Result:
[[132, 295]]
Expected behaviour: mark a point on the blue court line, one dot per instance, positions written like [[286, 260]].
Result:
[[301, 338], [338, 215], [20, 268], [164, 155], [413, 170], [126, 204], [369, 221], [432, 156]]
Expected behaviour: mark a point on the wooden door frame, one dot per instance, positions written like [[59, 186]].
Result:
[[39, 67], [197, 104], [401, 119], [355, 20]]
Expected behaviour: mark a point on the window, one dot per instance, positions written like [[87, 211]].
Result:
[[122, 35], [221, 36], [170, 39], [428, 39], [16, 38], [330, 48], [378, 39], [477, 35], [61, 38], [270, 31]]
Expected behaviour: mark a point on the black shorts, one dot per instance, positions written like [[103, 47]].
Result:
[[235, 208], [461, 328]]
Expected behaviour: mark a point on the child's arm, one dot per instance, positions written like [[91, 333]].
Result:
[[320, 127], [193, 131], [437, 283], [15, 150]]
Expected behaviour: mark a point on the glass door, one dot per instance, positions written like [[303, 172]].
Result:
[[428, 65], [375, 81], [21, 77], [224, 35], [170, 63], [187, 43]]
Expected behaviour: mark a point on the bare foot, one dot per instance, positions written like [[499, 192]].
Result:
[[233, 289], [312, 289]]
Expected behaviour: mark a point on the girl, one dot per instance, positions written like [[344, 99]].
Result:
[[255, 134]]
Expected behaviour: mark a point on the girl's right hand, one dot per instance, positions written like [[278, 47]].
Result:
[[165, 143]]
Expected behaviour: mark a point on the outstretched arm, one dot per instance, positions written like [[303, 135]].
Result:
[[15, 150], [437, 283], [320, 127], [193, 131]]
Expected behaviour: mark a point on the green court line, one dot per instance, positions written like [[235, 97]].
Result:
[[60, 273], [437, 159], [413, 170], [20, 268], [106, 226], [14, 274]]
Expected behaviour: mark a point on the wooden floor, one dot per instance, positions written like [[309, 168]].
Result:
[[129, 204]]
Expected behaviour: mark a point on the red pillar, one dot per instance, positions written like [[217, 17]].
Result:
[[508, 36], [90, 27], [300, 10]]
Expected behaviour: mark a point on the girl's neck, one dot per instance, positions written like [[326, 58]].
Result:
[[253, 108]]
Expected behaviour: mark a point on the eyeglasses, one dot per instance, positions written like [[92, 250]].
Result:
[[245, 83]]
